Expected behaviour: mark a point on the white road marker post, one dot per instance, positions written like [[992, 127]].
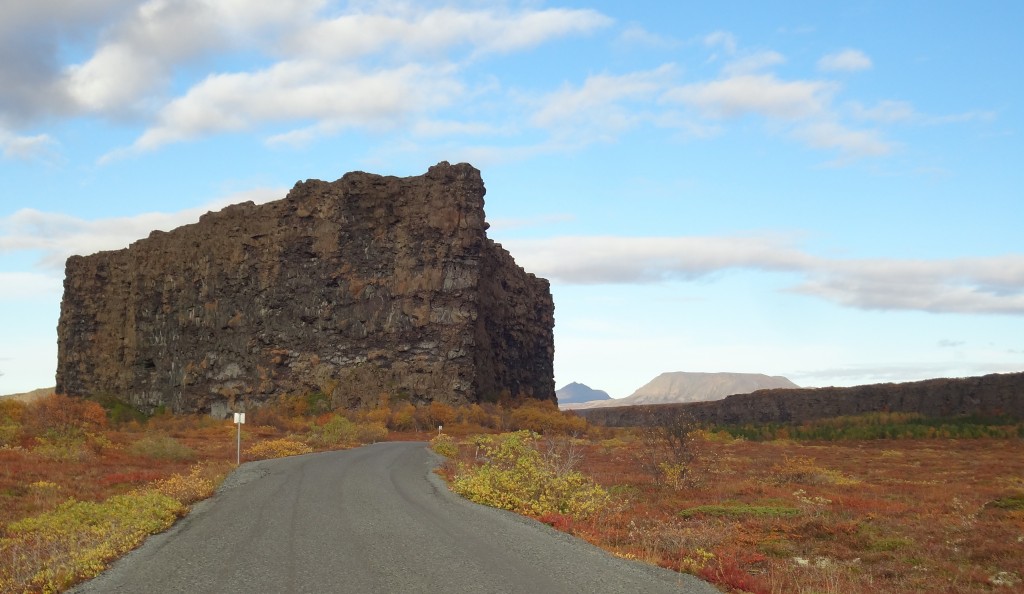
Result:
[[239, 421]]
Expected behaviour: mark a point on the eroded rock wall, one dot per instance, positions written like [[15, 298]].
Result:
[[358, 288]]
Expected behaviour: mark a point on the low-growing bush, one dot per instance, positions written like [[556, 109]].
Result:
[[186, 489], [444, 445], [515, 476], [75, 541], [339, 430], [277, 448], [161, 447]]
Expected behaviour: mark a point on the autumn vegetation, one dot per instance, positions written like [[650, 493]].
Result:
[[879, 503]]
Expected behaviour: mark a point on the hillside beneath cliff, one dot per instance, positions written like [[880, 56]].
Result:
[[994, 395]]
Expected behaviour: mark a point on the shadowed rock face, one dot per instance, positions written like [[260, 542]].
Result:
[[363, 287]]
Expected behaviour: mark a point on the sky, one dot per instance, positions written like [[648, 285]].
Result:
[[826, 191]]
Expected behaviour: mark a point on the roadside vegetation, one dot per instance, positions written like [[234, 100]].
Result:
[[877, 503]]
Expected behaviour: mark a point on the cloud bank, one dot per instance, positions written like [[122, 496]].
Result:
[[993, 285]]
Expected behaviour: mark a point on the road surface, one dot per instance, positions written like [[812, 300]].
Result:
[[368, 520]]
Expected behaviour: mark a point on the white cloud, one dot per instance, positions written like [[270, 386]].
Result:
[[721, 39], [598, 102], [635, 35], [992, 285], [888, 111], [40, 146], [334, 96], [762, 94], [57, 236], [28, 286], [849, 143], [615, 260], [753, 63], [847, 60], [407, 32]]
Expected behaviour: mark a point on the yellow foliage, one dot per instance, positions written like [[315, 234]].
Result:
[[52, 551], [189, 488], [516, 477], [444, 445], [277, 448]]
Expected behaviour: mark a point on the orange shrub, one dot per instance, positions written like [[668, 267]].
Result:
[[403, 418], [544, 417], [62, 414]]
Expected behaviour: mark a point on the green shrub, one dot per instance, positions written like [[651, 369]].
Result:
[[339, 430], [738, 510], [161, 447], [516, 477], [444, 444]]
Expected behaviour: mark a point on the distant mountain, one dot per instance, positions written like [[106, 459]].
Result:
[[30, 396], [686, 386], [576, 393]]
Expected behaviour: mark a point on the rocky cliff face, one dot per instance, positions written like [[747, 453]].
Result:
[[988, 395], [363, 287]]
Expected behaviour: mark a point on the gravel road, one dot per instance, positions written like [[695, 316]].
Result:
[[368, 520]]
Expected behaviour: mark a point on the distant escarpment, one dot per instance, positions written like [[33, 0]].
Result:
[[365, 287], [988, 395]]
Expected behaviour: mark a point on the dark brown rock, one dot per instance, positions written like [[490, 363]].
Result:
[[363, 287], [989, 395]]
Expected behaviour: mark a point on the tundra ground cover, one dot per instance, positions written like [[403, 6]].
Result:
[[898, 513], [916, 515]]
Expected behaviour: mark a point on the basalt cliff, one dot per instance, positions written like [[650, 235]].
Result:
[[365, 287]]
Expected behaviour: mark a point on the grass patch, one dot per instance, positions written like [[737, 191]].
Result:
[[162, 447], [740, 510], [1010, 502]]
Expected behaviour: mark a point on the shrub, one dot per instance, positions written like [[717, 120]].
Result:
[[187, 489], [804, 470], [57, 414], [545, 418], [403, 418], [277, 448], [75, 541], [444, 445], [161, 447], [339, 430], [515, 477], [62, 447], [371, 432]]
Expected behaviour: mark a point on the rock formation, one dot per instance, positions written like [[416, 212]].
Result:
[[364, 287], [988, 395]]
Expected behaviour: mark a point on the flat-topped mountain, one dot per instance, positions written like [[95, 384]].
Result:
[[358, 288], [688, 386]]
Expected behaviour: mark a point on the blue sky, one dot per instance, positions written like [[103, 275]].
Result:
[[830, 193]]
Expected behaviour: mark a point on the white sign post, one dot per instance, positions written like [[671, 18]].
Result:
[[239, 421]]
